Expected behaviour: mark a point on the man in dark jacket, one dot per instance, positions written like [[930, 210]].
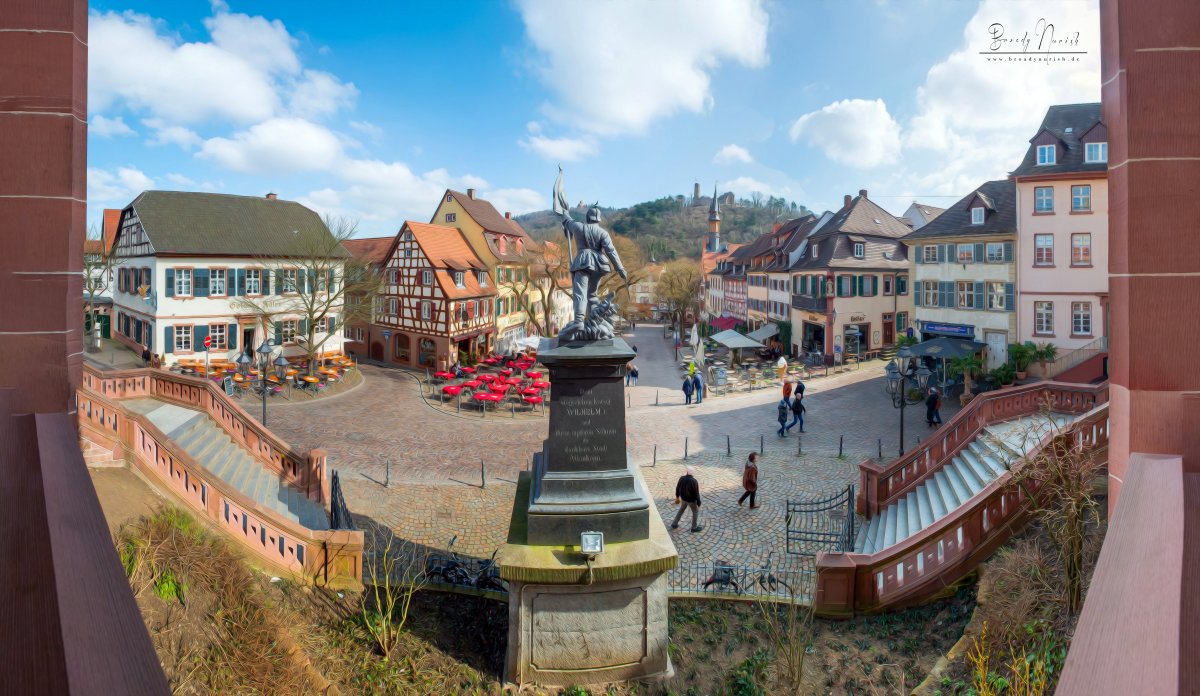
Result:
[[782, 410], [689, 388], [687, 497], [933, 404], [797, 413]]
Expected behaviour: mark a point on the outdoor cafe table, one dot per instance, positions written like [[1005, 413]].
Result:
[[533, 374], [540, 385], [506, 372], [487, 378], [452, 389], [484, 397], [499, 388], [443, 375], [530, 391], [468, 370], [310, 381], [473, 384], [513, 381]]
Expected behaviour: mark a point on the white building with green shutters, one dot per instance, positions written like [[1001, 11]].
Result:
[[185, 264], [964, 277]]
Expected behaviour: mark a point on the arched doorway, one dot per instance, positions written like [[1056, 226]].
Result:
[[376, 350], [427, 354], [402, 348]]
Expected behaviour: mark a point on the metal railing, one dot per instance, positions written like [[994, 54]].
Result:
[[821, 524], [811, 304], [724, 580], [1075, 357]]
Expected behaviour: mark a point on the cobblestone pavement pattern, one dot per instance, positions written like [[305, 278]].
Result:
[[434, 488]]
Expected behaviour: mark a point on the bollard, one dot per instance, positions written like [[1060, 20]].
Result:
[[685, 447], [482, 475], [514, 408], [655, 462], [655, 397], [761, 444], [728, 447], [458, 405], [387, 472], [629, 401], [840, 439], [881, 449], [799, 447]]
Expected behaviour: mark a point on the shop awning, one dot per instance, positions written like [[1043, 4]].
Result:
[[733, 339], [945, 348], [764, 332], [724, 323]]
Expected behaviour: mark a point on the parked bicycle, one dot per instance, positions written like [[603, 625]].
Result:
[[484, 575], [742, 580]]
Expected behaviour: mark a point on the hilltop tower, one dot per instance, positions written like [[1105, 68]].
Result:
[[714, 224]]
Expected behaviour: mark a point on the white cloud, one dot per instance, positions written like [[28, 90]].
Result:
[[517, 201], [166, 134], [854, 132], [119, 187], [533, 127], [263, 43], [319, 94], [386, 192], [180, 180], [276, 146], [560, 149], [108, 127], [731, 154], [639, 61], [743, 186], [368, 129]]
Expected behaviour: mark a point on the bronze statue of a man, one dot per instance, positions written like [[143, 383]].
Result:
[[588, 267]]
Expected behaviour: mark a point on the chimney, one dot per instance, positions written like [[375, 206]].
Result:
[[507, 215], [271, 197], [471, 194], [862, 192], [846, 203]]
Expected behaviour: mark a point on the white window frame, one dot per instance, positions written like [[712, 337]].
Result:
[[219, 333], [1043, 318], [482, 277], [290, 279], [183, 282], [254, 281], [426, 277], [1081, 318], [213, 275], [930, 293], [995, 296], [977, 215], [1047, 155], [1097, 155], [1083, 198], [815, 250], [994, 252], [451, 217], [459, 279], [426, 311], [860, 250], [964, 253], [1037, 247], [393, 306], [1088, 247], [1038, 198], [358, 334], [930, 253], [288, 329], [183, 338], [966, 294]]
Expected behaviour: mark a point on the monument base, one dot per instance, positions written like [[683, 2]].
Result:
[[569, 623]]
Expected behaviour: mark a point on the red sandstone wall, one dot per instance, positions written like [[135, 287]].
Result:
[[1085, 372], [43, 159]]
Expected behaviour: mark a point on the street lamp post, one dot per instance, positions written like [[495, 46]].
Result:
[[264, 364], [898, 382]]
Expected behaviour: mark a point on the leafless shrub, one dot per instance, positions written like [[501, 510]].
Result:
[[394, 571], [789, 631]]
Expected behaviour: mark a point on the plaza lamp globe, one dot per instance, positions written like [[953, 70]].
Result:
[[243, 362], [923, 377], [281, 366], [264, 354], [892, 374]]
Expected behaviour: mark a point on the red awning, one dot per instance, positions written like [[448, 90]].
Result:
[[724, 323]]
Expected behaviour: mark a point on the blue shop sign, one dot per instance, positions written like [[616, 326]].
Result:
[[948, 329]]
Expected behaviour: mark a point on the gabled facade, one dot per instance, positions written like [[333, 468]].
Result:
[[183, 261], [921, 214], [964, 275], [850, 282], [1062, 247]]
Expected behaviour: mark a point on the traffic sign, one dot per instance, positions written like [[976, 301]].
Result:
[[208, 341]]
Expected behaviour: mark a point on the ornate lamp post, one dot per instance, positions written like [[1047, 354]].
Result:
[[898, 383], [264, 364], [243, 363], [281, 365]]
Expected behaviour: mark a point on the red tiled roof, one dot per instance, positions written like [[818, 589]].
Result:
[[369, 249], [112, 218], [448, 251], [93, 246]]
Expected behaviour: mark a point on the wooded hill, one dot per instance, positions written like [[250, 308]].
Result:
[[670, 227]]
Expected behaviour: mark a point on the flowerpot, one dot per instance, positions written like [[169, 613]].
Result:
[[1021, 374], [964, 399]]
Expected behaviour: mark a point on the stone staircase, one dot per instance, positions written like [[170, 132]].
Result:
[[206, 442], [96, 456], [980, 463]]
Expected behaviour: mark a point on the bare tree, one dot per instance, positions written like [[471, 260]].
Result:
[[394, 571], [97, 280], [328, 285], [678, 287], [789, 630], [536, 283]]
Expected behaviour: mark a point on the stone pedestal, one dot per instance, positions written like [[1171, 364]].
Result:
[[568, 625]]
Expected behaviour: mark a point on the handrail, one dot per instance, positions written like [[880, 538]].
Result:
[[307, 473], [937, 556], [331, 556], [882, 484], [1077, 356]]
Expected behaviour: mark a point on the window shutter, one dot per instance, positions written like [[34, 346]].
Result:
[[920, 253], [231, 336], [240, 284], [979, 255], [1009, 297], [304, 327], [312, 281], [947, 293], [200, 282], [1008, 252], [169, 291], [330, 279], [979, 303], [332, 323], [917, 294], [858, 286], [149, 334], [278, 282], [168, 340], [199, 333], [279, 333]]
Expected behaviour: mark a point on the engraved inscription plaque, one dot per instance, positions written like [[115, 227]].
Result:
[[588, 631]]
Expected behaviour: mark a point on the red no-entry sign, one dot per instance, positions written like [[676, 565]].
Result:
[[207, 341]]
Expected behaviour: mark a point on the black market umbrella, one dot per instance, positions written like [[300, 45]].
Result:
[[945, 348]]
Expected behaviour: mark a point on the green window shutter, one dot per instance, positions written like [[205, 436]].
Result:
[[979, 304], [239, 283], [1008, 252], [199, 333], [1010, 303], [231, 336], [168, 345], [333, 320], [278, 282], [200, 282], [917, 294], [304, 327], [979, 254], [279, 333], [946, 290], [920, 251], [858, 286], [169, 291]]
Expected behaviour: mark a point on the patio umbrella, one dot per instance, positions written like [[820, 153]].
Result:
[[945, 348], [697, 349], [764, 332], [734, 340]]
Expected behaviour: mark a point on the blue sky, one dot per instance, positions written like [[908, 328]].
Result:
[[371, 109]]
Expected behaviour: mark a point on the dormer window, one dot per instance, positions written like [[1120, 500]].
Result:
[[1095, 152], [482, 276], [502, 245], [977, 215], [859, 250], [458, 279], [816, 249], [1046, 154]]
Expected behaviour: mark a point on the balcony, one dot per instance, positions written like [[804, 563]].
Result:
[[811, 304]]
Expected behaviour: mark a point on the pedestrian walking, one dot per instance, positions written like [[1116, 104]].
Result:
[[797, 413], [750, 480], [798, 390], [781, 367], [687, 497], [146, 357], [698, 383], [689, 387], [787, 389], [782, 409], [628, 373], [634, 373], [933, 404]]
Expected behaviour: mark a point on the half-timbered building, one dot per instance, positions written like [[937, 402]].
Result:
[[437, 303], [183, 260]]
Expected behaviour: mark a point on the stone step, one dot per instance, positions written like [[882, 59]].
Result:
[[937, 505], [924, 510]]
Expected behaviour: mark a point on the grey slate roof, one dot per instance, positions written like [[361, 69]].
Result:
[[882, 247], [956, 221], [1079, 118], [184, 222]]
